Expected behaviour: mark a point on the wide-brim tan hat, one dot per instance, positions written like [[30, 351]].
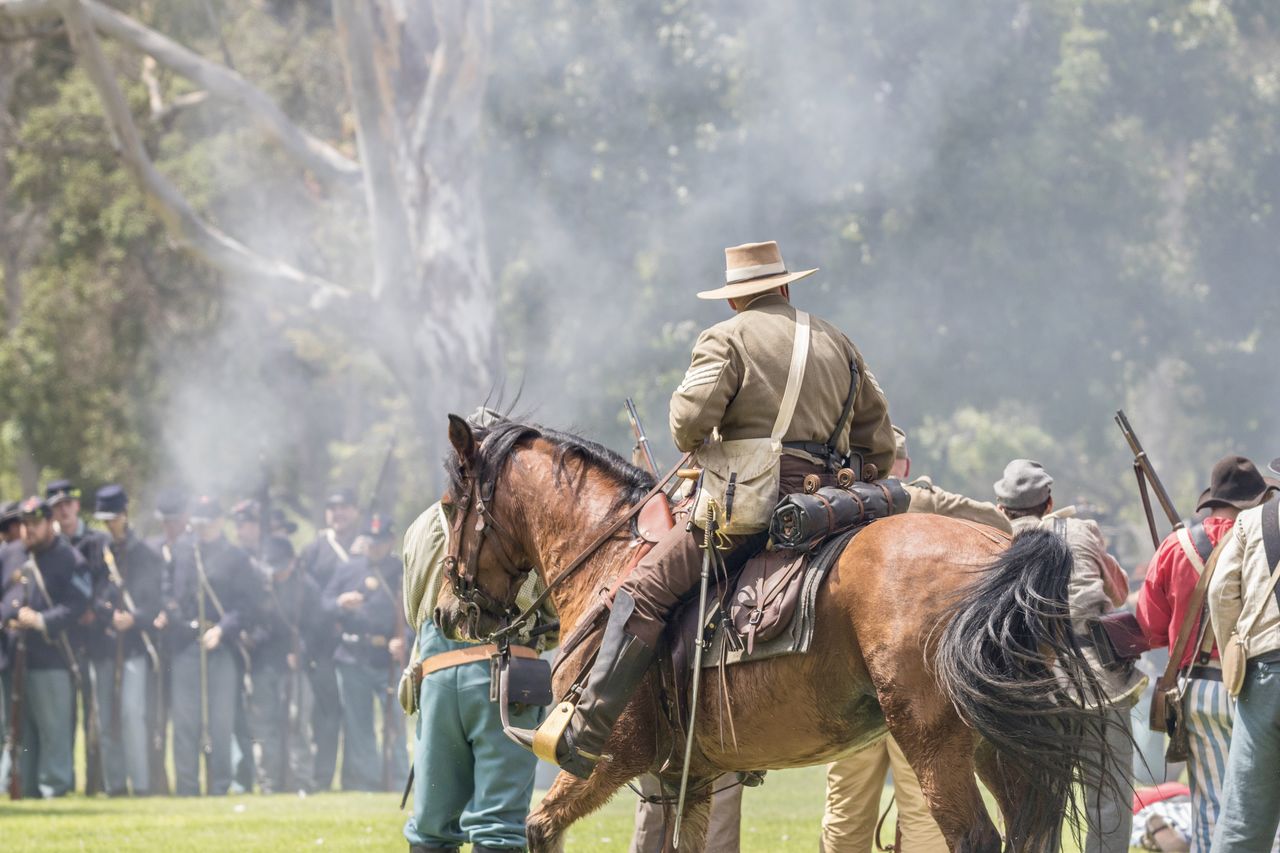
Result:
[[753, 268]]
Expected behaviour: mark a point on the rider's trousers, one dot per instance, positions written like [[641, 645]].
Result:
[[670, 573]]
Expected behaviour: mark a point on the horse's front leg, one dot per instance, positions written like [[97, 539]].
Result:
[[631, 747], [569, 800]]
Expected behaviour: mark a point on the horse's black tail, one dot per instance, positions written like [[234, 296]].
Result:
[[1012, 667]]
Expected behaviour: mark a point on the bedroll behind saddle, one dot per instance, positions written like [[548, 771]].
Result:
[[769, 609]]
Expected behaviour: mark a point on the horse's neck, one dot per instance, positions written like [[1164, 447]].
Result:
[[563, 531]]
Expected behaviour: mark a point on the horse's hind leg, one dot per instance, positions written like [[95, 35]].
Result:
[[941, 753]]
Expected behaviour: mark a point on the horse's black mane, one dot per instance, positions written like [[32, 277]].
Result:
[[499, 441]]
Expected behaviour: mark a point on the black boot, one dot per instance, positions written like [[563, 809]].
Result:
[[621, 663]]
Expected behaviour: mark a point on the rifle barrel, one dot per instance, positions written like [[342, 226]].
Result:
[[1143, 461]]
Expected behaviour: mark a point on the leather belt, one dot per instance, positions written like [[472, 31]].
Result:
[[471, 654], [813, 448], [1208, 673], [1267, 657]]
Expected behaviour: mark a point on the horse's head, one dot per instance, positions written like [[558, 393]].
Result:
[[486, 563]]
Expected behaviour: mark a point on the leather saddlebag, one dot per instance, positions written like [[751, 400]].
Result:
[[766, 596], [802, 522], [1118, 638]]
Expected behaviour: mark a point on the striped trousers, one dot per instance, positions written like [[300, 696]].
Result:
[[1209, 737], [1210, 713]]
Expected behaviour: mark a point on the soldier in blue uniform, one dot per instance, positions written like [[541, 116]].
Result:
[[281, 701], [319, 560], [363, 597], [46, 589], [87, 636], [213, 596], [127, 607]]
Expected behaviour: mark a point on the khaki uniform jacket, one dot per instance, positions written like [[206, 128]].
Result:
[[739, 372], [1235, 593], [1087, 596], [926, 497]]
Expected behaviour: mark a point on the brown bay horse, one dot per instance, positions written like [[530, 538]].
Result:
[[936, 630]]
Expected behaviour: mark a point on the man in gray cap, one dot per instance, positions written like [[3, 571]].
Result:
[[1025, 495]]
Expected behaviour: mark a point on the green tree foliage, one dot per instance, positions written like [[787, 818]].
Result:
[[1027, 213]]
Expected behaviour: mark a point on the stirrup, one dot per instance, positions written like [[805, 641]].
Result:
[[543, 740]]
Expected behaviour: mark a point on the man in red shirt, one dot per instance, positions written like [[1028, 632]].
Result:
[[1235, 485]]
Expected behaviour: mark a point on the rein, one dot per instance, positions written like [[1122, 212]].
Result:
[[469, 591]]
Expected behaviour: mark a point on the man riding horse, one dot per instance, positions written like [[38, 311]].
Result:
[[771, 395]]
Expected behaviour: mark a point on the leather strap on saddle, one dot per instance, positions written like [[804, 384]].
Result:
[[471, 654]]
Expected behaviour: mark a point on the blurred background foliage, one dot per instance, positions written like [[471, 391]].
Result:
[[1027, 214]]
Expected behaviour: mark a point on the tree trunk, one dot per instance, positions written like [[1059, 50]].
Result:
[[417, 74], [16, 237]]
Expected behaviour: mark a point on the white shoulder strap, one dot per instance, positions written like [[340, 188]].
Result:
[[795, 378], [1184, 539], [332, 538]]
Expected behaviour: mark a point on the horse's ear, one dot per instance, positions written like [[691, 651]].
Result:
[[462, 439]]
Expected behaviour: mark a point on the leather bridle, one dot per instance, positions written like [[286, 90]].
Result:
[[463, 572]]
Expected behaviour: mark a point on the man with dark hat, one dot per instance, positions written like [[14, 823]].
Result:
[[1164, 605], [175, 521], [1024, 494], [10, 523], [363, 597], [47, 588], [280, 706], [88, 636], [1244, 605], [124, 666], [320, 560], [215, 589], [772, 391]]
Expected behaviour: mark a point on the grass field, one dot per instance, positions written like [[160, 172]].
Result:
[[782, 816]]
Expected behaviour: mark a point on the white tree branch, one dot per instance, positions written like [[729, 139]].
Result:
[[313, 153], [201, 237]]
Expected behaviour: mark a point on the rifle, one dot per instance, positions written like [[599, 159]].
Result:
[[389, 701], [159, 694], [1145, 473], [113, 573], [642, 441], [290, 691], [206, 742], [78, 684], [17, 691]]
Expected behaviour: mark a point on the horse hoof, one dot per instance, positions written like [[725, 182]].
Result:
[[541, 840]]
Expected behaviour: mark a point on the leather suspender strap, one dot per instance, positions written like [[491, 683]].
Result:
[[1200, 539], [1271, 547], [1271, 538], [841, 425]]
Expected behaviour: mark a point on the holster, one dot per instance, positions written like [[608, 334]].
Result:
[[527, 681]]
